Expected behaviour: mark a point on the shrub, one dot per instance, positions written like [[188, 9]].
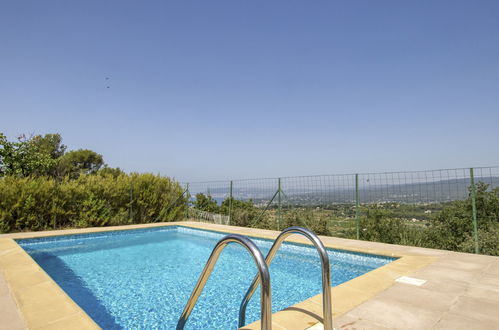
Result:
[[41, 203]]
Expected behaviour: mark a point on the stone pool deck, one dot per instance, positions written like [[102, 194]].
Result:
[[461, 290]]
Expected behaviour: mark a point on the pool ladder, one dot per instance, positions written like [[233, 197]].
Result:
[[263, 277]]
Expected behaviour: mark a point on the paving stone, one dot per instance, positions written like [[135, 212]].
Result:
[[460, 265], [348, 322], [460, 322], [477, 309], [443, 285], [391, 313], [493, 269], [419, 297], [10, 319], [447, 273], [480, 291], [4, 289], [489, 279]]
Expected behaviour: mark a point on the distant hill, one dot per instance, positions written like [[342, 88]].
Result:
[[420, 192]]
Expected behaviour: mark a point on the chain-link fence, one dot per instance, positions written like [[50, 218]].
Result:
[[453, 208]]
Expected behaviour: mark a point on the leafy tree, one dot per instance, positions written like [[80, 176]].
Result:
[[206, 203], [113, 171], [25, 157], [244, 213], [5, 150], [76, 162], [295, 217], [452, 228], [50, 144], [319, 224], [379, 225], [41, 155]]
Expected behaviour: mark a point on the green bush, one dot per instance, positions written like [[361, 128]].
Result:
[[452, 228], [306, 218], [244, 213], [448, 227], [41, 203]]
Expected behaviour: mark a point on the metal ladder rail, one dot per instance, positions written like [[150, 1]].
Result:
[[263, 272], [326, 279]]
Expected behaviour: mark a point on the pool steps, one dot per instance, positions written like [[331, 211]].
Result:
[[263, 277], [263, 273], [326, 278]]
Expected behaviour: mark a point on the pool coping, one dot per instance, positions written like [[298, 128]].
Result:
[[43, 304]]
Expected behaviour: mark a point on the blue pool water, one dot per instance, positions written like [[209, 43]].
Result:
[[141, 279]]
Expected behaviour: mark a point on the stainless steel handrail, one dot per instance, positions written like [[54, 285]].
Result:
[[326, 279], [263, 272]]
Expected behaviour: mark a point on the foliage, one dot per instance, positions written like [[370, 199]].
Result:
[[244, 213], [77, 162], [28, 156], [306, 218], [113, 171], [452, 228], [206, 203], [378, 225], [381, 225], [40, 203], [43, 187], [45, 156], [447, 226], [50, 144]]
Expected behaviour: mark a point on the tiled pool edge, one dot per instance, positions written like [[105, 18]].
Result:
[[43, 304]]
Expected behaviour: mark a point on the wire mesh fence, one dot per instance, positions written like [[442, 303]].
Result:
[[394, 207]]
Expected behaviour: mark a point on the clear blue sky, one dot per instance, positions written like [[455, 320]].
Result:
[[203, 90]]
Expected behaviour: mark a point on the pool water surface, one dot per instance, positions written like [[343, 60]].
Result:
[[142, 279]]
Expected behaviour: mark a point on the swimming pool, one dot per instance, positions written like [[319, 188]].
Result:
[[143, 278]]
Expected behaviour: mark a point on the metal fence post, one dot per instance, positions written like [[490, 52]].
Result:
[[473, 210], [131, 200], [54, 197], [279, 204], [230, 202], [188, 195], [357, 205]]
